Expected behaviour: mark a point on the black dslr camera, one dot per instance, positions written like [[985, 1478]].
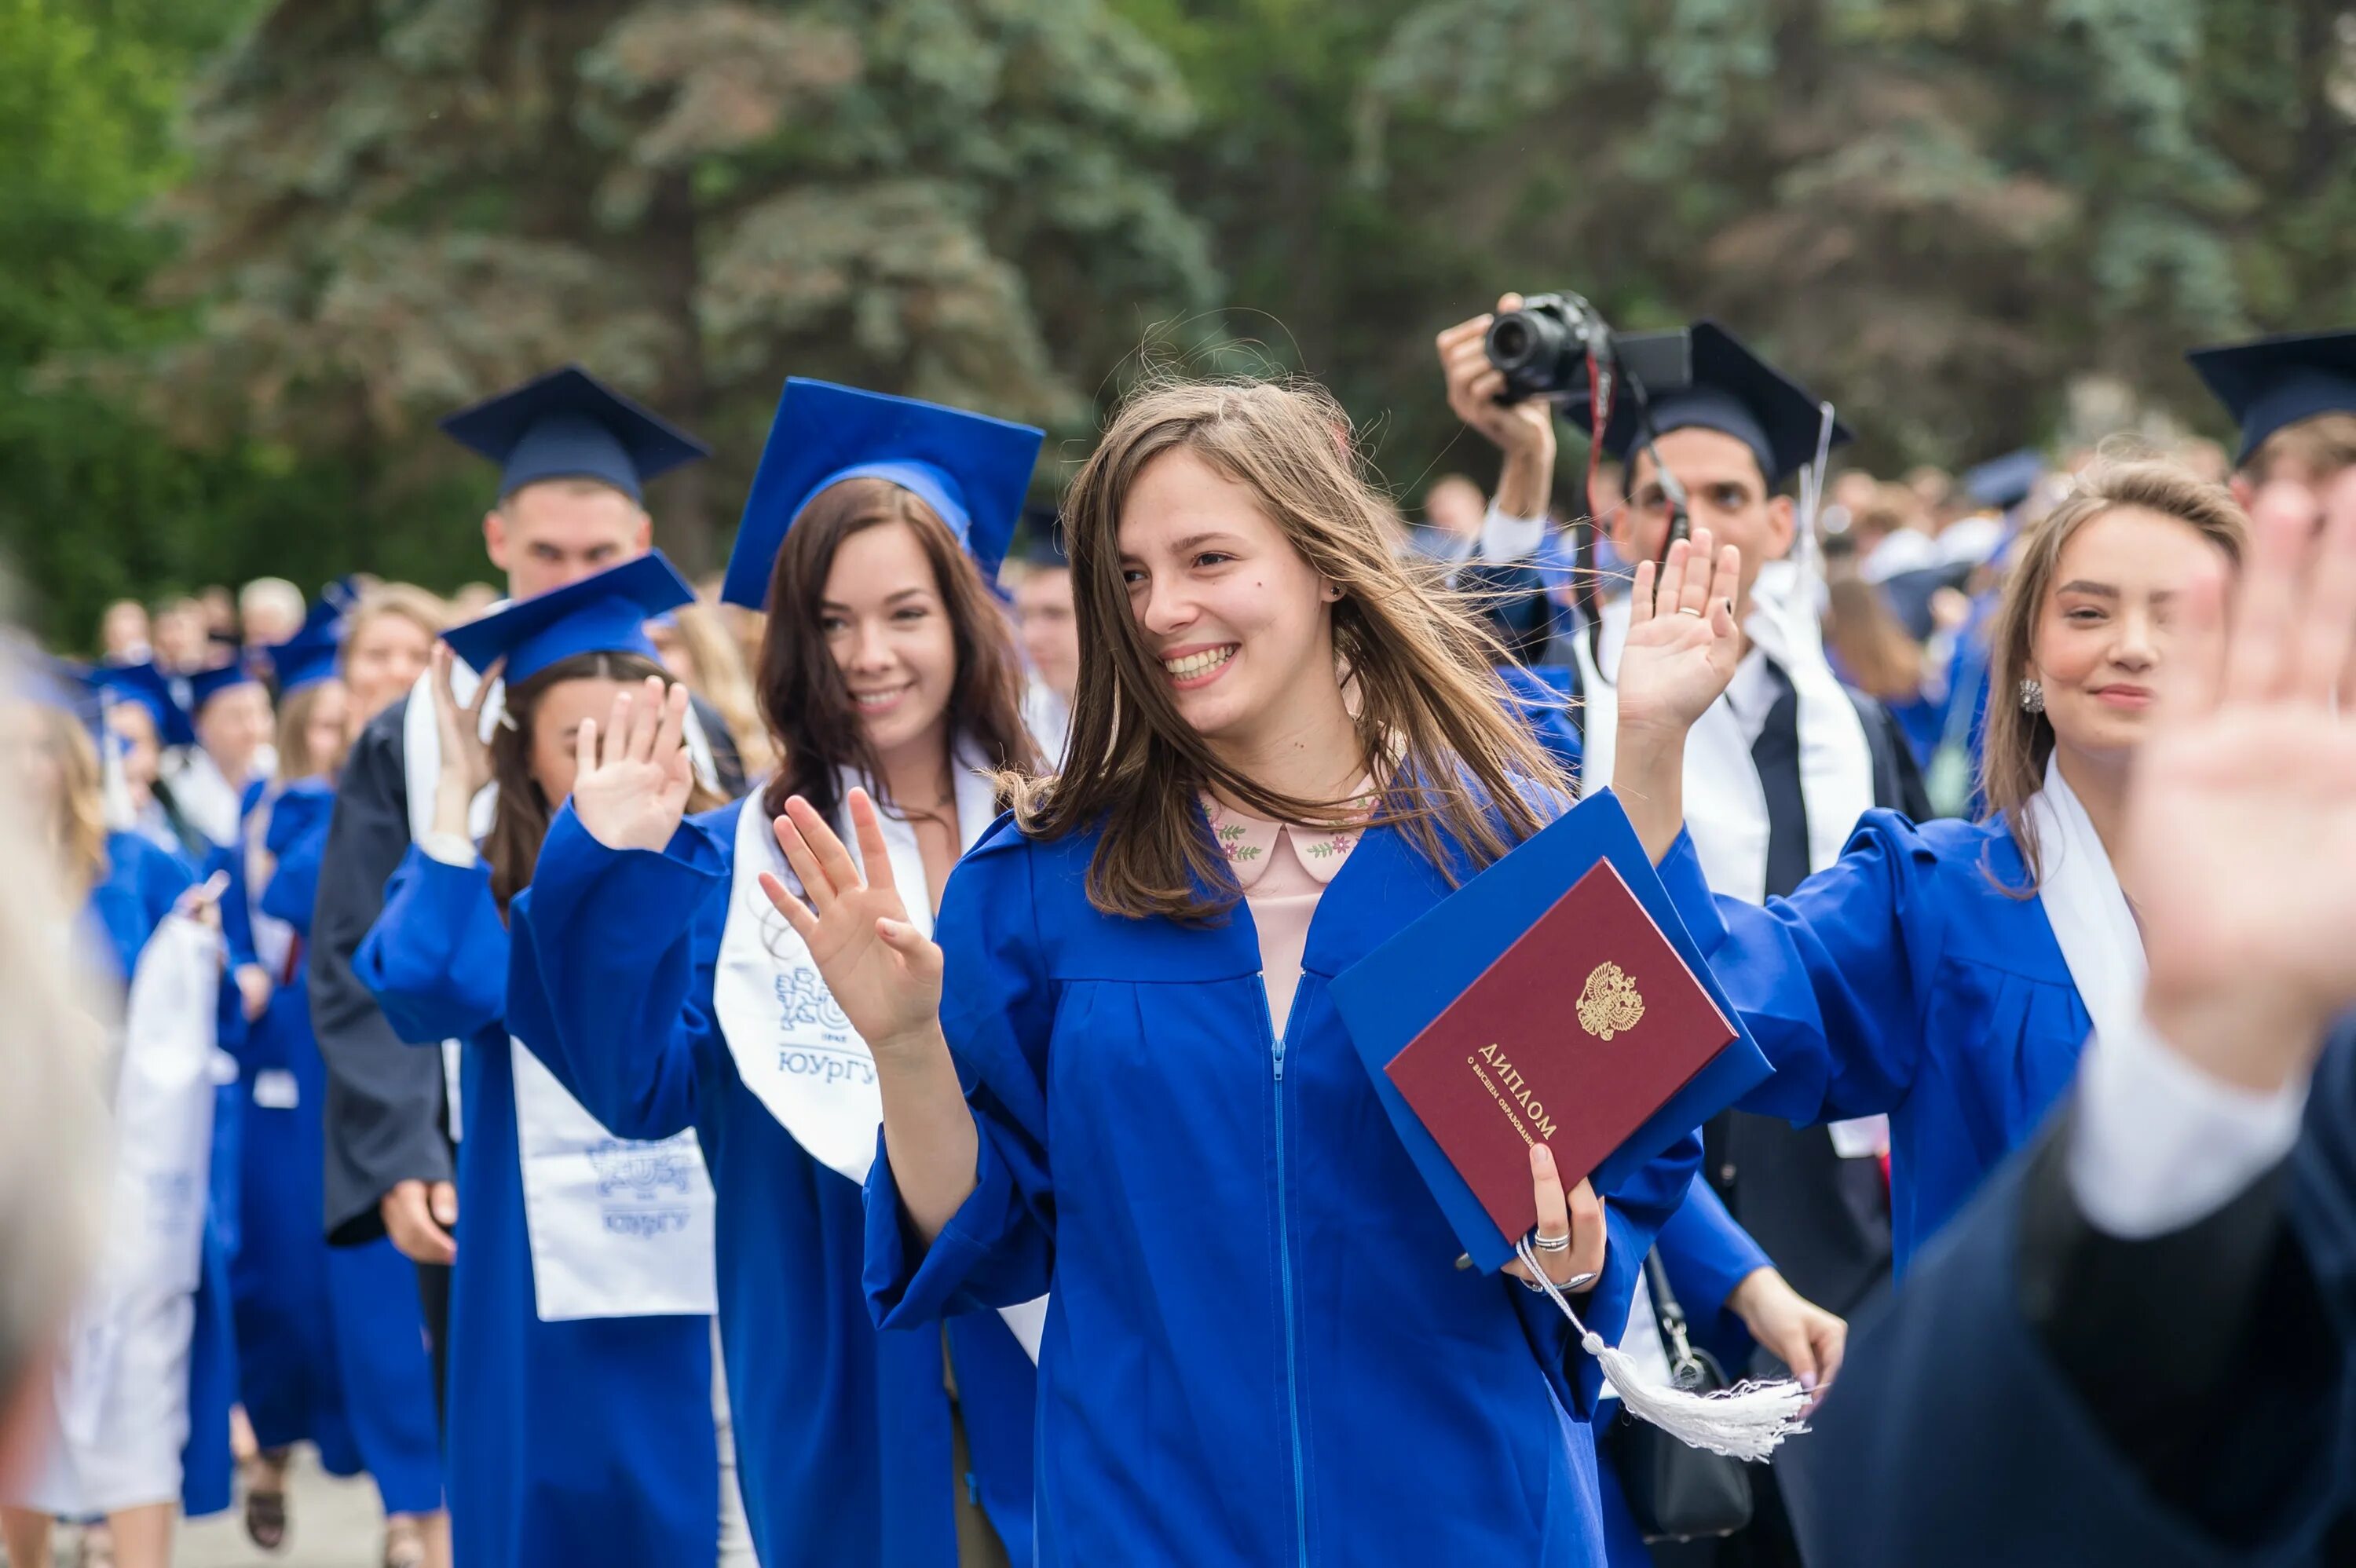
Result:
[[1543, 348]]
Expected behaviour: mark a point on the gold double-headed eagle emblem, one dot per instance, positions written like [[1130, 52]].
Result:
[[1610, 1002]]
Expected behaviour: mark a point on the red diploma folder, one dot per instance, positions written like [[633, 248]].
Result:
[[1574, 1037]]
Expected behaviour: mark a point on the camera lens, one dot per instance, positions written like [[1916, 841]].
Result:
[[1511, 341]]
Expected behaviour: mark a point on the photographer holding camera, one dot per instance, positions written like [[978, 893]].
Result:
[[1792, 758]]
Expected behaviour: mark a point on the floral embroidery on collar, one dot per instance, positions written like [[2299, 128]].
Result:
[[1247, 841]]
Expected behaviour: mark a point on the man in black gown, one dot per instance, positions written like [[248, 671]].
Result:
[[575, 456]]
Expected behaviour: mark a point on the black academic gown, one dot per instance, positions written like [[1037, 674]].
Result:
[[2040, 1396], [1823, 1219], [386, 1115]]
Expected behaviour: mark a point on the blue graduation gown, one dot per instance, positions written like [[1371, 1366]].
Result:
[[1258, 1349], [1541, 698], [1903, 979], [331, 1340], [125, 908], [842, 1433], [588, 1441]]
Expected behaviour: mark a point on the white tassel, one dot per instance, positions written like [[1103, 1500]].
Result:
[[1745, 1422]]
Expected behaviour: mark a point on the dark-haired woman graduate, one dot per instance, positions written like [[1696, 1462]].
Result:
[[1133, 1083], [581, 1424], [140, 1419], [648, 955], [331, 1340]]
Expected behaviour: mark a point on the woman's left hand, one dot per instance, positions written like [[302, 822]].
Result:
[[1683, 643], [1795, 1330], [1577, 1214]]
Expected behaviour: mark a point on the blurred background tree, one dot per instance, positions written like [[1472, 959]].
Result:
[[249, 251]]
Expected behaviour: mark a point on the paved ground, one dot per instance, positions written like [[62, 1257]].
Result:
[[332, 1524]]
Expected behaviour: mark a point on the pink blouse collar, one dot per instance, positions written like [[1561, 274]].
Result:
[[1248, 842]]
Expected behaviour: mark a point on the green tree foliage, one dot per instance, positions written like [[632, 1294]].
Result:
[[251, 249], [398, 205], [1937, 210], [92, 503]]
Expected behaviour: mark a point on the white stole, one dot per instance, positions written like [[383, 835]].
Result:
[[619, 1226], [793, 1046], [2084, 905], [421, 757], [162, 1177], [205, 795], [1725, 808]]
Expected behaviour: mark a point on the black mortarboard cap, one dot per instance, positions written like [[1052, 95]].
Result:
[[2278, 381], [569, 425], [1736, 392]]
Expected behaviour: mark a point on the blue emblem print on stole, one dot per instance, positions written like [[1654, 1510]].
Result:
[[818, 1042], [639, 1174], [171, 1202]]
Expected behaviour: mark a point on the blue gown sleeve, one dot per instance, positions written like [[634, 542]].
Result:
[[610, 982], [1706, 1254], [297, 839], [998, 1010], [237, 914], [1824, 979], [436, 958]]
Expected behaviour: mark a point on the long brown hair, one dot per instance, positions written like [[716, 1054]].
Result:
[[1433, 719], [2017, 742], [801, 689], [721, 681], [295, 758], [512, 846]]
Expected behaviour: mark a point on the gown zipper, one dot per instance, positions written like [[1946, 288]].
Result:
[[1284, 1273]]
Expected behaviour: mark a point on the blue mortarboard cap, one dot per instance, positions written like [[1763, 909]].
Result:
[[970, 469], [1736, 392], [569, 425], [338, 598], [150, 688], [61, 684], [2278, 381], [605, 614], [303, 659], [2005, 482], [204, 685]]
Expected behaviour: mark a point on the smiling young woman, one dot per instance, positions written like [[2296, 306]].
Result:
[[1972, 959], [1122, 1073]]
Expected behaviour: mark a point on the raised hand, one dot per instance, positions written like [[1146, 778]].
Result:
[[886, 975], [631, 784], [465, 760], [1683, 643], [2240, 840], [1474, 386]]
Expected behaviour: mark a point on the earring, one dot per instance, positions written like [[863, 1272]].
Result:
[[2032, 696]]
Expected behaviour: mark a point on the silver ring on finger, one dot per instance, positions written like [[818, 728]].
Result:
[[1546, 1243], [1688, 609]]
